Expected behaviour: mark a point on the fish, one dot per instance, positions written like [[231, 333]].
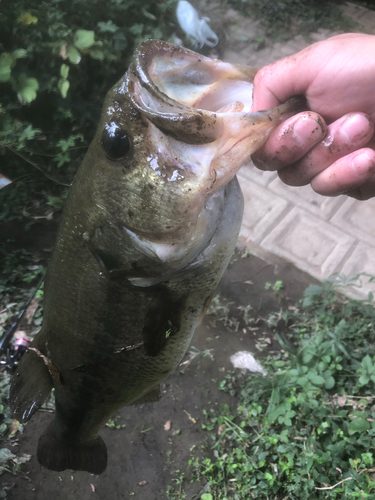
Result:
[[149, 226]]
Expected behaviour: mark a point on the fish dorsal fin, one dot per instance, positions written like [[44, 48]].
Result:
[[150, 397], [31, 385]]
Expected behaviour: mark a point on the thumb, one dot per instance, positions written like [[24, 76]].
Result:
[[275, 83]]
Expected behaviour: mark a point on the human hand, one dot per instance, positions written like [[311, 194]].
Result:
[[336, 76]]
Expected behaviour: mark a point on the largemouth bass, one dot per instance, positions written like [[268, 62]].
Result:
[[150, 224]]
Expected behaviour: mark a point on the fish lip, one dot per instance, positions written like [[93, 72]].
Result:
[[172, 254], [195, 126], [183, 248], [147, 234]]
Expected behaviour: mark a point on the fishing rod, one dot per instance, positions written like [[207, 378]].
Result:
[[13, 354]]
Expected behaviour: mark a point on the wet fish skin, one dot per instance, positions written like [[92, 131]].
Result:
[[149, 226]]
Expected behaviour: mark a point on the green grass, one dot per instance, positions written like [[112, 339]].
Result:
[[307, 430]]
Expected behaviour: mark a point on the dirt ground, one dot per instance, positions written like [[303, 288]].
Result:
[[143, 457]]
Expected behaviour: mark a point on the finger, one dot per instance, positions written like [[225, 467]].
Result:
[[290, 141], [346, 135], [278, 81], [346, 174], [273, 85]]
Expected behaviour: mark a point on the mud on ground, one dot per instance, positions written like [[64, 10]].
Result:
[[144, 457]]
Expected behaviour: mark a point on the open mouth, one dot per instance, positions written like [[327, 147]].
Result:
[[200, 124], [203, 84]]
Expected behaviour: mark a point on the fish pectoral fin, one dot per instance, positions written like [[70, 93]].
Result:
[[31, 385], [151, 397], [57, 454], [163, 320]]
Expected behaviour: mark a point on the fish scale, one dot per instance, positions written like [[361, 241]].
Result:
[[148, 228]]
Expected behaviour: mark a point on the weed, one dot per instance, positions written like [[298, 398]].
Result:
[[225, 313], [308, 429], [276, 287], [113, 424], [56, 65], [195, 354]]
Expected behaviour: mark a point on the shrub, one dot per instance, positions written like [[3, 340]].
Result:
[[57, 61]]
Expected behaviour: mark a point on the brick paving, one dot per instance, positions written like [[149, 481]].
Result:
[[320, 235]]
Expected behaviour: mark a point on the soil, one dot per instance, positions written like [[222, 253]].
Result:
[[143, 457]]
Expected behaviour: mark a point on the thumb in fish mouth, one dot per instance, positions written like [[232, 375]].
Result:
[[200, 101]]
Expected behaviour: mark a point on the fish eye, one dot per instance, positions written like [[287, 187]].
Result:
[[115, 141]]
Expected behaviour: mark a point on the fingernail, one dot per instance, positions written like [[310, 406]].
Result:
[[355, 127], [307, 129], [363, 164]]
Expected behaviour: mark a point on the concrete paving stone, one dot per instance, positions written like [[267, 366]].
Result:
[[234, 57], [231, 15], [287, 50], [320, 35], [320, 235], [307, 199], [264, 56], [262, 211], [253, 174], [357, 218], [251, 24], [361, 260], [300, 42], [364, 17], [313, 245]]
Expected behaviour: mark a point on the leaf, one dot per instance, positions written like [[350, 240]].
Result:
[[26, 19], [6, 62], [367, 363], [26, 88], [73, 55], [316, 379], [207, 496], [64, 71], [14, 427], [6, 455], [83, 39], [329, 382], [136, 29], [97, 54], [28, 133], [307, 357], [63, 85], [358, 425], [19, 54], [108, 27], [148, 14], [364, 379]]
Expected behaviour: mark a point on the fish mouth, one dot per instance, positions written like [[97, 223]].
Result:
[[181, 91], [197, 121], [200, 102]]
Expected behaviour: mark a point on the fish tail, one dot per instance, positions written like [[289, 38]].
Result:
[[56, 454]]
